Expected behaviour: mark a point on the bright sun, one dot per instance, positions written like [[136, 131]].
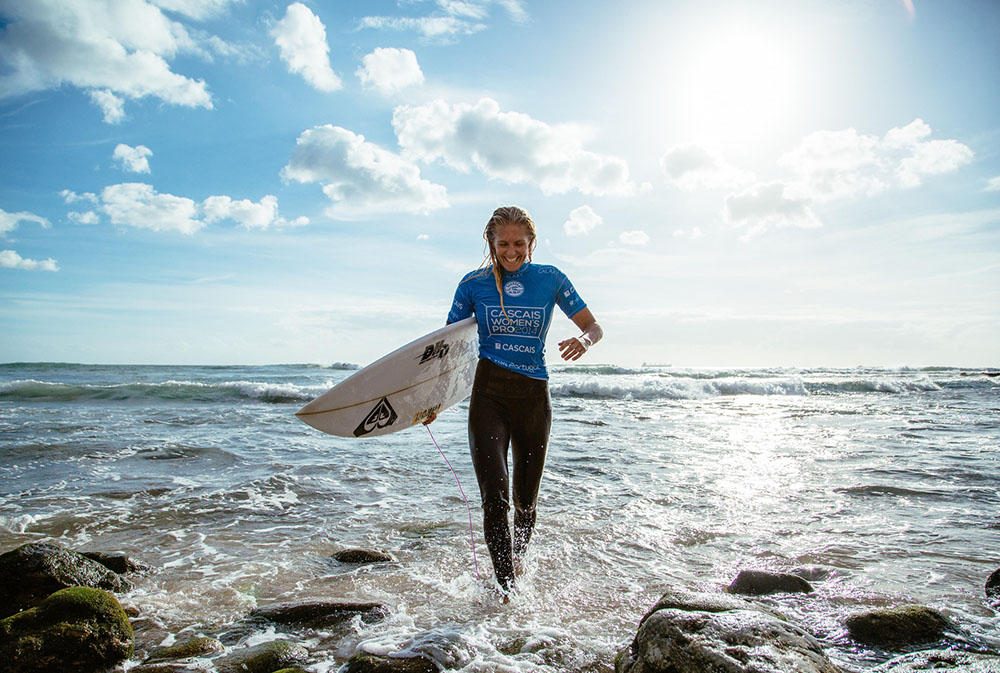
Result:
[[735, 86]]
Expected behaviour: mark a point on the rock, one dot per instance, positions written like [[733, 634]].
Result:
[[166, 667], [362, 556], [196, 647], [759, 583], [898, 628], [320, 614], [118, 563], [263, 658], [993, 587], [363, 662], [294, 669], [942, 661], [706, 633], [32, 572], [78, 629]]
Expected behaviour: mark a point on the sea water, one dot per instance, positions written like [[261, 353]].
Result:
[[882, 484]]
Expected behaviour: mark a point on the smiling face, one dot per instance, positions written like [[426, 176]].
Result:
[[511, 246]]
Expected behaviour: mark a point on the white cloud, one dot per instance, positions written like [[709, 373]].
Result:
[[88, 217], [389, 70], [634, 237], [993, 184], [11, 260], [113, 50], [769, 205], [456, 17], [248, 214], [846, 164], [360, 177], [508, 146], [10, 221], [72, 197], [581, 220], [691, 167], [138, 205], [135, 159], [301, 38], [433, 28], [196, 9], [111, 105]]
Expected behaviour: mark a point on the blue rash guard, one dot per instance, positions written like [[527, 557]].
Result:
[[515, 341]]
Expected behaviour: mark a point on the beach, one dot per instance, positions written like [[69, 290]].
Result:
[[879, 482]]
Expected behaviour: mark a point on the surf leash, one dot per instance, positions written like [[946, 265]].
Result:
[[472, 538]]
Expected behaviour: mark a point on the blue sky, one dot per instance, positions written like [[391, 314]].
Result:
[[793, 183]]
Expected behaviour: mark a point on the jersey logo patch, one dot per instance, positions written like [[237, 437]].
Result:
[[383, 415], [513, 288]]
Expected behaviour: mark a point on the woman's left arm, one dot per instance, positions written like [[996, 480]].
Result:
[[574, 347]]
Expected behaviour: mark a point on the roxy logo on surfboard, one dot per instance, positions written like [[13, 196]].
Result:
[[381, 416]]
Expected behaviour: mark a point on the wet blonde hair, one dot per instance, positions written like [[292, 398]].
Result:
[[501, 217]]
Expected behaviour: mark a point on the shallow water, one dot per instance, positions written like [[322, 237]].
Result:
[[884, 483]]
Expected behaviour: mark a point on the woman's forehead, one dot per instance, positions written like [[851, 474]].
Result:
[[510, 232]]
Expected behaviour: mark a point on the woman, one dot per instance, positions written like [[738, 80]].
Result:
[[513, 302]]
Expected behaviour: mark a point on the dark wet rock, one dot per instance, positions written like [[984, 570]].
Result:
[[898, 628], [33, 572], [118, 563], [78, 629], [993, 587], [294, 669], [359, 556], [320, 614], [263, 658], [942, 661], [370, 663], [166, 667], [708, 633], [196, 647], [760, 583]]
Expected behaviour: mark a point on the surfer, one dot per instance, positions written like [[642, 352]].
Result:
[[513, 301]]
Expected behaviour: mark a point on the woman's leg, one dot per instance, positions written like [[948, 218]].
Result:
[[489, 438], [529, 444]]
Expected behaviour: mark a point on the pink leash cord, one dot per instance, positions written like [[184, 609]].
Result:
[[472, 538]]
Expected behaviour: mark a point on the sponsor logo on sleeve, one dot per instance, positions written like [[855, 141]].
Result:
[[382, 416]]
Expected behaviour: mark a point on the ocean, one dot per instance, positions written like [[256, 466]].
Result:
[[881, 484]]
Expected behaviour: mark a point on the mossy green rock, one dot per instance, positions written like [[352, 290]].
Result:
[[898, 628], [263, 658], [196, 647], [294, 669], [371, 663], [78, 629], [708, 633], [32, 572]]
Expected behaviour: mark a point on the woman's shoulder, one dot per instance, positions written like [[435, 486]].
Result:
[[481, 272], [547, 270]]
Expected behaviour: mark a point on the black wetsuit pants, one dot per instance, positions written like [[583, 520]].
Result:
[[508, 408]]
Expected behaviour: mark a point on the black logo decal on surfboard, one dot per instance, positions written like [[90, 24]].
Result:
[[438, 350], [381, 416]]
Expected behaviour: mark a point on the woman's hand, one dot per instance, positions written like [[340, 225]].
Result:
[[574, 347]]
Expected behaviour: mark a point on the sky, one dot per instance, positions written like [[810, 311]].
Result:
[[791, 183]]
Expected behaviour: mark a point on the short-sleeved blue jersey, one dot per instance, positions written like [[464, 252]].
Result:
[[515, 340]]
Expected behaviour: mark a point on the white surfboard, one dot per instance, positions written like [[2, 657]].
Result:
[[404, 388]]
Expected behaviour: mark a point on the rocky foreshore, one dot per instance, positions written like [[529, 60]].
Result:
[[59, 612]]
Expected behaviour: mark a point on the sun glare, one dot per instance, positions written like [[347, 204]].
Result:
[[735, 86]]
